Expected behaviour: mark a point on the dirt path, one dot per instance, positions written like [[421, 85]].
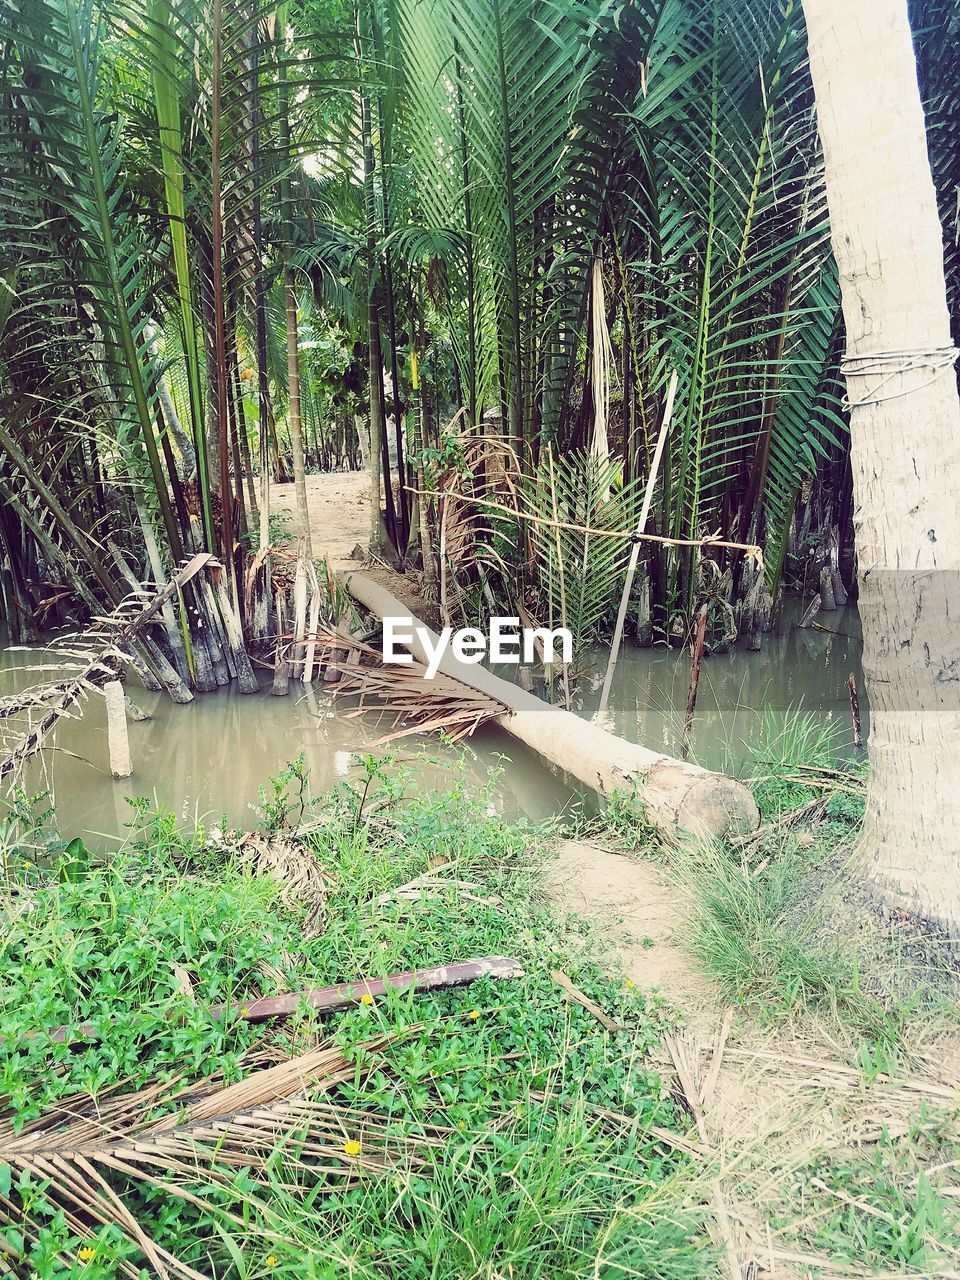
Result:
[[611, 887], [338, 506], [338, 503], [762, 1104]]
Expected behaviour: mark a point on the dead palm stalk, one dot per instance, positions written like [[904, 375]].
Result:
[[187, 1141]]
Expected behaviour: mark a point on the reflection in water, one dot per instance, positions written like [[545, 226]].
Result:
[[209, 758], [808, 668]]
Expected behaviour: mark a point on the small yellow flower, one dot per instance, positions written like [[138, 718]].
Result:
[[26, 863], [244, 1012], [630, 982], [352, 1147], [86, 1253], [474, 1014], [366, 998], [271, 1260]]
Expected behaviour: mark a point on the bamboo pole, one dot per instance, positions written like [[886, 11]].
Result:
[[281, 667], [678, 798], [313, 623], [635, 552]]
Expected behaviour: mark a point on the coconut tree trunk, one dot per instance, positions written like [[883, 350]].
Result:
[[905, 435]]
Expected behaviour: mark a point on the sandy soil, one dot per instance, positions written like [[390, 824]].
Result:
[[599, 884], [760, 1102], [338, 506]]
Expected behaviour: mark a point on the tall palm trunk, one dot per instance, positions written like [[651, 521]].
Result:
[[905, 429], [294, 420], [219, 304], [260, 305]]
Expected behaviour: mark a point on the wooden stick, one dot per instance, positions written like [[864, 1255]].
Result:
[[812, 611], [117, 737], [563, 585], [635, 552], [575, 994], [697, 658], [323, 999], [855, 712], [281, 667]]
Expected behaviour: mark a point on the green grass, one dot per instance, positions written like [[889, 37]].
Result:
[[532, 1181], [785, 925], [788, 743], [882, 1205], [753, 932]]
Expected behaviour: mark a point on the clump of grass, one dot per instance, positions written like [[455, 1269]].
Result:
[[792, 933], [534, 1180], [619, 820], [787, 744], [786, 925], [754, 931]]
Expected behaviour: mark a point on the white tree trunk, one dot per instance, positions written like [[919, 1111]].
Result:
[[905, 429]]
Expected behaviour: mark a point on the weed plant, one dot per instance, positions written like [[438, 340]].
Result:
[[534, 1179]]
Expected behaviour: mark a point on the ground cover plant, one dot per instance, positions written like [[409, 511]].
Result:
[[858, 1174], [498, 1129], [887, 1204]]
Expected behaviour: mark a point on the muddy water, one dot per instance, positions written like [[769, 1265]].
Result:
[[209, 759], [808, 669]]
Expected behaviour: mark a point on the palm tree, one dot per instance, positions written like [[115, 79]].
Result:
[[905, 437], [527, 212]]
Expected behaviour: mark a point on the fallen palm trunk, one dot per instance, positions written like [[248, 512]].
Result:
[[679, 798]]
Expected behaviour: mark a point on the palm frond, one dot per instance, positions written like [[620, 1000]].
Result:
[[186, 1142]]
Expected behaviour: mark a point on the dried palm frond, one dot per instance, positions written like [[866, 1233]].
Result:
[[31, 715], [94, 1154], [86, 661], [434, 884], [442, 704], [303, 878]]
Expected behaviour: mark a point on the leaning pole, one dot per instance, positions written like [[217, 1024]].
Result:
[[680, 798]]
